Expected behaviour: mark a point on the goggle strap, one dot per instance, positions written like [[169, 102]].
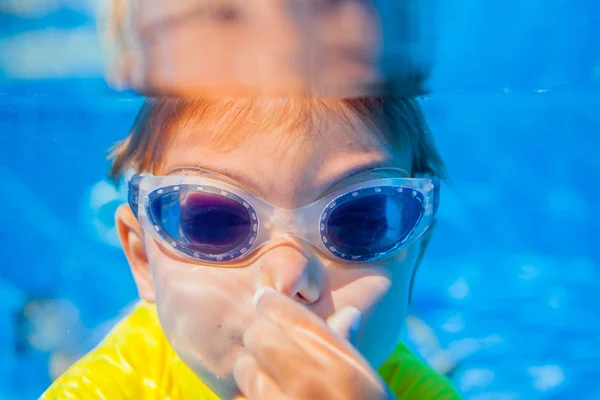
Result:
[[133, 196]]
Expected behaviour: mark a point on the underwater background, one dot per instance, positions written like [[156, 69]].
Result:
[[507, 301]]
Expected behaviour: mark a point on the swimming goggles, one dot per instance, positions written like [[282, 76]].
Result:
[[202, 218]]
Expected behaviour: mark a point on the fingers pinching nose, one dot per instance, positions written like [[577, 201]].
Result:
[[260, 293]]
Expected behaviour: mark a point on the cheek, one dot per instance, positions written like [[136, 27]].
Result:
[[370, 288], [199, 302], [381, 293]]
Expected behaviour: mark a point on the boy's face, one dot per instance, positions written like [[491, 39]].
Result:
[[205, 310]]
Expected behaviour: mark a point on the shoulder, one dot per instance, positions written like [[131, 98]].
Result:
[[126, 364], [410, 378]]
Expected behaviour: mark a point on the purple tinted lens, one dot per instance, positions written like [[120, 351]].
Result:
[[373, 224], [204, 222]]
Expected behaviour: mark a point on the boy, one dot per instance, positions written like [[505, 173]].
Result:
[[274, 244]]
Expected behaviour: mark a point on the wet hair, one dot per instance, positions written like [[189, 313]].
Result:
[[162, 120]]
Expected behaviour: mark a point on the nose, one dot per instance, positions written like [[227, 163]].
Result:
[[293, 272]]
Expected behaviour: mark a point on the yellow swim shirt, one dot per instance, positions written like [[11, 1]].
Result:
[[135, 361]]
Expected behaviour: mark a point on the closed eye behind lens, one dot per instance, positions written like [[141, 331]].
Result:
[[203, 223], [372, 224]]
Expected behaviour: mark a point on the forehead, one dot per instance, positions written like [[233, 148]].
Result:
[[287, 153]]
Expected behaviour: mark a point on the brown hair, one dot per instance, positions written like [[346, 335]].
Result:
[[401, 121]]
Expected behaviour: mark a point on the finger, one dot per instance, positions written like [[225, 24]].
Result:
[[302, 326], [285, 311], [276, 354], [345, 323], [253, 382]]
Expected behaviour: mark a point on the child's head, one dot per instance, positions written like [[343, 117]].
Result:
[[288, 154]]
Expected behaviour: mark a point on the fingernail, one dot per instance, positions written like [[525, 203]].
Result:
[[260, 293]]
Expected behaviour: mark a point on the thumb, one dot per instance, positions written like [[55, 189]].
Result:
[[345, 323]]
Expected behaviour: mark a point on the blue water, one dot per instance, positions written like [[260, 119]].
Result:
[[512, 273]]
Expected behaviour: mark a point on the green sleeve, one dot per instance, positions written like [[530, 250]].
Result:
[[409, 378]]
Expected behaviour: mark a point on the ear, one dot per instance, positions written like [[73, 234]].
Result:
[[132, 241], [423, 244]]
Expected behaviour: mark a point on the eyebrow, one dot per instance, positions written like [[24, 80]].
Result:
[[236, 175], [254, 185]]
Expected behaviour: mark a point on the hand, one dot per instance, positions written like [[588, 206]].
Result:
[[293, 354]]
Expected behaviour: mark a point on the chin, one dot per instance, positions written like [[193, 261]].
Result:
[[215, 370], [220, 381]]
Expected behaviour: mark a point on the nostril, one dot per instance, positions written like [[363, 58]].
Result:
[[301, 299], [304, 299]]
